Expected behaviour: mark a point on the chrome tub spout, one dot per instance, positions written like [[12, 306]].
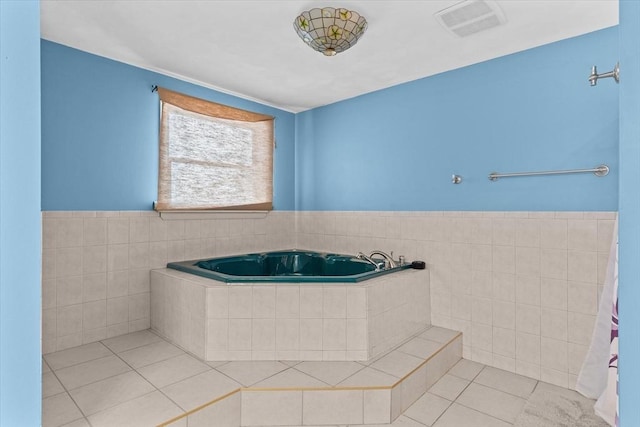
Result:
[[362, 256], [388, 259]]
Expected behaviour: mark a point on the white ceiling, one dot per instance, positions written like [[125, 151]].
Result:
[[250, 49]]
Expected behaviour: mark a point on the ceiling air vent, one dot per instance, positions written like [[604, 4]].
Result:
[[470, 17]]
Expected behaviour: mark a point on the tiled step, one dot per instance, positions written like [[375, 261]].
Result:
[[375, 394]]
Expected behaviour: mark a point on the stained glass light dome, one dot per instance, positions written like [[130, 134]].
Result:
[[330, 30]]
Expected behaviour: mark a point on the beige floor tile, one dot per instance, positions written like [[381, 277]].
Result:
[[397, 363], [438, 334], [290, 378], [224, 413], [506, 381], [449, 387], [148, 410], [130, 341], [200, 389], [82, 422], [250, 372], [333, 425], [101, 395], [492, 402], [561, 391], [461, 416], [330, 372], [427, 409], [404, 421], [466, 369], [550, 388], [59, 410], [401, 421], [50, 385], [216, 363], [369, 377], [420, 347], [495, 398], [75, 355], [92, 371], [150, 353], [172, 370]]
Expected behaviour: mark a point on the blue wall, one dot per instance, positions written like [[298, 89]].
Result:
[[100, 133], [20, 363], [629, 257], [397, 148], [394, 149]]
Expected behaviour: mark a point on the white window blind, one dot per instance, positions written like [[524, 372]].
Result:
[[213, 156]]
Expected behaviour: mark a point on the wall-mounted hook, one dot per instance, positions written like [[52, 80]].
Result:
[[615, 73], [456, 179]]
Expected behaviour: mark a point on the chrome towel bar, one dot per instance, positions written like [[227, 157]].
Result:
[[601, 170]]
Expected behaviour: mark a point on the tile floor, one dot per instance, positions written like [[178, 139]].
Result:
[[140, 379]]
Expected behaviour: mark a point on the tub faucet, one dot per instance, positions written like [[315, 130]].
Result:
[[368, 259], [388, 258]]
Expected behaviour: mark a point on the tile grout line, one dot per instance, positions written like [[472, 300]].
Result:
[[67, 391], [511, 394], [237, 381], [302, 389], [322, 381], [484, 413], [439, 416], [199, 408], [359, 370], [455, 400], [153, 385], [131, 369], [493, 388]]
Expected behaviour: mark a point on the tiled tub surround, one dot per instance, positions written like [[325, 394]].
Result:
[[289, 321], [96, 265], [355, 394], [523, 287]]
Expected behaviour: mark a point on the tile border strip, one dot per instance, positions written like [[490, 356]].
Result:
[[337, 388], [198, 408]]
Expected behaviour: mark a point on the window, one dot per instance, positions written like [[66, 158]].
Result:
[[213, 156]]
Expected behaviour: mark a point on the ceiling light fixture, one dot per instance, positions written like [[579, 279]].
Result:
[[329, 30]]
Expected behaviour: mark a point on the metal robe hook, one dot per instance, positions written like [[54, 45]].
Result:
[[615, 73]]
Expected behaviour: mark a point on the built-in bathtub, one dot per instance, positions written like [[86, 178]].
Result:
[[295, 315], [285, 266]]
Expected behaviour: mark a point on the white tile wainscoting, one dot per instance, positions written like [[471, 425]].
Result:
[[523, 287], [95, 265]]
